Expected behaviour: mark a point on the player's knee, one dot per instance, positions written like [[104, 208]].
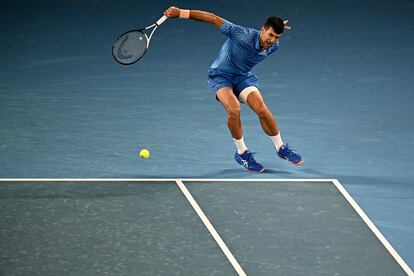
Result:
[[262, 111], [233, 111]]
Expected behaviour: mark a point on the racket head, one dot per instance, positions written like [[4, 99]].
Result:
[[130, 47]]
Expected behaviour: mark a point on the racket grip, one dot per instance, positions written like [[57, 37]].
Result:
[[161, 20]]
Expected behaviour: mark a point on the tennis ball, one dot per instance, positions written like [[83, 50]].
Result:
[[144, 153]]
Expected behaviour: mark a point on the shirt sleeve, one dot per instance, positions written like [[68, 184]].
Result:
[[234, 31]]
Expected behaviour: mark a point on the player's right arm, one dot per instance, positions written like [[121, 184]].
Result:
[[202, 16]]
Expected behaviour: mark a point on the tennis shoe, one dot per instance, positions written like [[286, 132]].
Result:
[[247, 160], [285, 152]]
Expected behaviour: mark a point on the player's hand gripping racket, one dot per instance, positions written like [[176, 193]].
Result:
[[132, 45]]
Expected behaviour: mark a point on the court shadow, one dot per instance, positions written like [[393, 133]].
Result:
[[275, 171], [224, 173], [236, 173], [312, 171]]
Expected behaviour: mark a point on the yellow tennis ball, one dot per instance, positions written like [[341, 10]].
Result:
[[144, 153]]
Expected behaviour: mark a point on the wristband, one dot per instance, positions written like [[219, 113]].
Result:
[[185, 14]]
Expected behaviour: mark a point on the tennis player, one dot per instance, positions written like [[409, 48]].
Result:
[[231, 80]]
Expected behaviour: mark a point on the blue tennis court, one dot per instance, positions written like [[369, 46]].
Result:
[[340, 87]]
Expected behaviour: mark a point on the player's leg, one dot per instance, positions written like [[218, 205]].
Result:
[[268, 122], [252, 97], [249, 94], [232, 106], [223, 89], [222, 86]]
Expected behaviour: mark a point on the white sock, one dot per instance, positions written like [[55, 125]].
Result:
[[277, 140], [241, 147]]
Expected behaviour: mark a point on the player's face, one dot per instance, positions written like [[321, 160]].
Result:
[[268, 37]]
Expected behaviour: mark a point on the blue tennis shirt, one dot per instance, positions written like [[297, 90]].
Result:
[[240, 52]]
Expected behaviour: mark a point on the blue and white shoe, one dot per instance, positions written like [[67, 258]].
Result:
[[246, 159], [287, 153]]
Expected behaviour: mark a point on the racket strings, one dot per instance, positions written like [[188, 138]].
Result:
[[130, 47]]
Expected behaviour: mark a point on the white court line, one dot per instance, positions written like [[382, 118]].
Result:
[[162, 179], [373, 228], [211, 228]]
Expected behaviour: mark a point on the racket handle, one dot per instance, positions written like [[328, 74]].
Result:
[[161, 20]]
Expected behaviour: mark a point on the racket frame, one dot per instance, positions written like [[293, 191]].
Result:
[[155, 26]]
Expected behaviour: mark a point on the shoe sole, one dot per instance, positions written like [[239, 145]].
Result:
[[294, 164], [297, 164], [262, 170]]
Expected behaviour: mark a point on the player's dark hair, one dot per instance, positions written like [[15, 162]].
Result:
[[276, 23]]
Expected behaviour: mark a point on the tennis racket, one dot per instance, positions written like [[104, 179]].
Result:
[[131, 46]]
